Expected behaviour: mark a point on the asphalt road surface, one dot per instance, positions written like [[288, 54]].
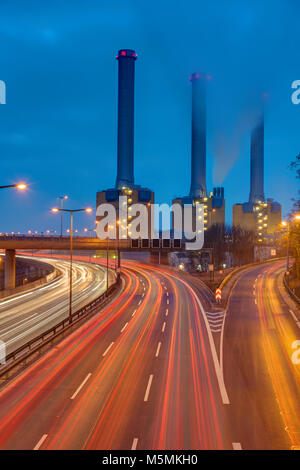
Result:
[[262, 381], [142, 374], [146, 372]]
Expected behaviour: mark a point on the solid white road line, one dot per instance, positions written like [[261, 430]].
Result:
[[134, 444], [148, 388], [163, 327], [124, 327], [106, 350], [158, 349], [42, 439], [133, 313], [236, 446], [80, 386]]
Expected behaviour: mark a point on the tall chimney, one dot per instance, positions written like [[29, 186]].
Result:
[[126, 59], [257, 162], [198, 179]]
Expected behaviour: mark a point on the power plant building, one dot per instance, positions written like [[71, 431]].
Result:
[[260, 215], [125, 185], [213, 202]]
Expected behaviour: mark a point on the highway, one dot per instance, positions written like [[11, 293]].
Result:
[[146, 372], [25, 316], [262, 381], [142, 374]]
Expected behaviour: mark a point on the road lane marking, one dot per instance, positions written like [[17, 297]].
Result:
[[41, 441], [168, 302], [167, 294], [255, 301], [158, 349], [295, 318], [124, 327], [217, 365], [163, 327], [106, 350], [134, 444], [133, 313], [80, 386], [140, 302], [143, 295], [167, 311], [236, 446], [148, 388]]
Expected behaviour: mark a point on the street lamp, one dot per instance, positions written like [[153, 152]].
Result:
[[19, 186], [71, 212], [62, 198]]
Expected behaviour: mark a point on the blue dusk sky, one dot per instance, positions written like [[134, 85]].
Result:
[[58, 129]]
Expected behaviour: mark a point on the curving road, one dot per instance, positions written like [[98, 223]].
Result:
[[142, 374], [25, 316], [263, 383]]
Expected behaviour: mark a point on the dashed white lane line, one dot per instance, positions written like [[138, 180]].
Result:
[[168, 302], [80, 386], [236, 446], [163, 327], [148, 388], [106, 350], [133, 313], [124, 327], [143, 295], [255, 301], [134, 444], [158, 349], [295, 318], [140, 302], [167, 311], [41, 441], [167, 294]]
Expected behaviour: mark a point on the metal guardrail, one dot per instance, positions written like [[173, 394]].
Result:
[[291, 293], [35, 345]]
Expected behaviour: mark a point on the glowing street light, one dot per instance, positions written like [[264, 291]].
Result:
[[20, 186]]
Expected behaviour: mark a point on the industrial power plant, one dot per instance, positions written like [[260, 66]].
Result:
[[260, 215]]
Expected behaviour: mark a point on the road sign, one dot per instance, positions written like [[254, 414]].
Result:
[[218, 294]]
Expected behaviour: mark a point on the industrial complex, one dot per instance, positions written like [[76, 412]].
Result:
[[260, 215]]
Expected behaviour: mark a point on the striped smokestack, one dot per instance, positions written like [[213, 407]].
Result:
[[125, 173]]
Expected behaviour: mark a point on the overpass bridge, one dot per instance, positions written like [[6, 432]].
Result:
[[11, 243]]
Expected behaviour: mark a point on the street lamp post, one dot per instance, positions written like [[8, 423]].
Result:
[[62, 198], [71, 212]]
